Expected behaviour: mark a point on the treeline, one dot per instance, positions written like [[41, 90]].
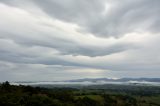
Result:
[[139, 90], [12, 95]]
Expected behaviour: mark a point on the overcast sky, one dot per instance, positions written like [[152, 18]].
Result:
[[72, 39]]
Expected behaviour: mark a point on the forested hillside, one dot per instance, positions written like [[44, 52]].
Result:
[[11, 95]]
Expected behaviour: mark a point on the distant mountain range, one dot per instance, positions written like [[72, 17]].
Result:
[[97, 81], [117, 79]]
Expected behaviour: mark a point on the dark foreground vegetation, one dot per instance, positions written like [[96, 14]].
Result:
[[11, 95]]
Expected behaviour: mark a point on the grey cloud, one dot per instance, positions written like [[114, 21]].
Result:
[[33, 48], [123, 17], [63, 45], [129, 16], [94, 51], [16, 54], [71, 10], [11, 51]]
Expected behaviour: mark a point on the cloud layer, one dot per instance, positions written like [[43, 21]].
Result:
[[56, 40]]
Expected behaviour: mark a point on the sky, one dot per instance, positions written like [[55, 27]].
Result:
[[50, 40]]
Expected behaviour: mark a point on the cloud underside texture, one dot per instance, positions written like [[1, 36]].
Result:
[[65, 39]]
